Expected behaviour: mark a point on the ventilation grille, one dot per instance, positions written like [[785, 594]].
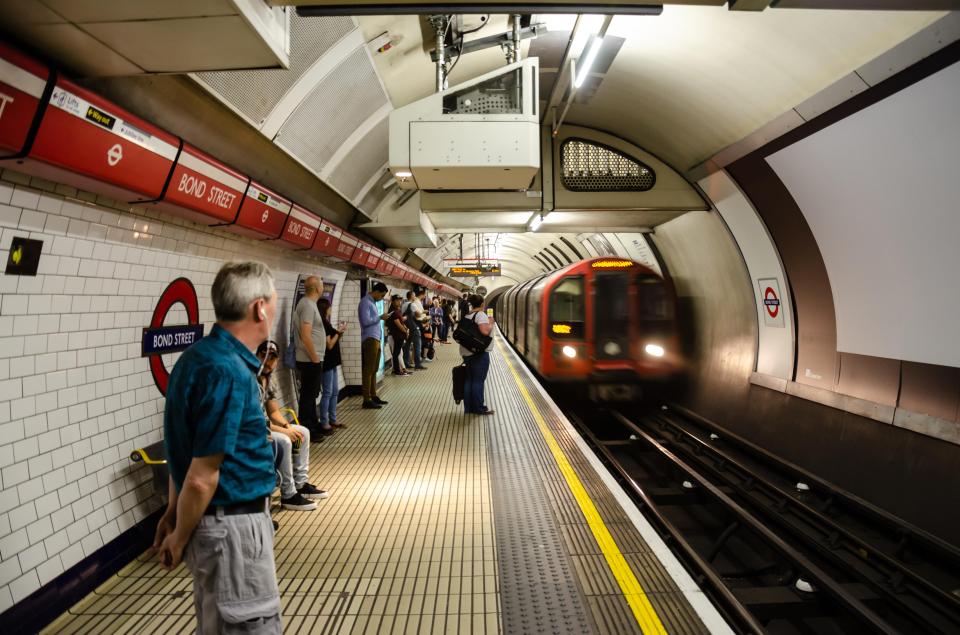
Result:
[[336, 107], [367, 158], [590, 167], [255, 93]]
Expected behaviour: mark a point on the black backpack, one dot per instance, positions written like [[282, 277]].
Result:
[[468, 335]]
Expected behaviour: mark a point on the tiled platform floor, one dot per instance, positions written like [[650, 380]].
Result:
[[408, 540], [404, 544]]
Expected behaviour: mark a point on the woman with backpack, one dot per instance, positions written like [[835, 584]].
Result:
[[478, 364]]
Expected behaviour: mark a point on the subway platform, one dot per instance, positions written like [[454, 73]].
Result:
[[440, 522]]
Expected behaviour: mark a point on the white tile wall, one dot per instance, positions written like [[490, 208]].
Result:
[[75, 396]]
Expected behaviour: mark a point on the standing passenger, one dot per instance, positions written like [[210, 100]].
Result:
[[311, 343], [478, 364], [331, 361], [398, 332], [221, 462], [370, 335]]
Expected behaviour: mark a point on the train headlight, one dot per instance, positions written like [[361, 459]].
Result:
[[569, 351], [654, 350]]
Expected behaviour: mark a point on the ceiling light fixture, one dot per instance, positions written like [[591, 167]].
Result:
[[583, 69], [535, 222]]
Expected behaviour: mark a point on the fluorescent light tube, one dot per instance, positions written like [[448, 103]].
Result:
[[583, 69]]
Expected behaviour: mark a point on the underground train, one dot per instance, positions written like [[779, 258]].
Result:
[[606, 324]]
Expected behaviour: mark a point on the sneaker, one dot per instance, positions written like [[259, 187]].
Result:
[[311, 491], [419, 368], [371, 405], [324, 430], [488, 411], [276, 525], [339, 426], [380, 401], [297, 503]]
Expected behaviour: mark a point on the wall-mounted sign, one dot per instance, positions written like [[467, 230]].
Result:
[[474, 271], [24, 256], [159, 339], [770, 301]]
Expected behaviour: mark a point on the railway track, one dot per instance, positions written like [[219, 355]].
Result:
[[778, 549]]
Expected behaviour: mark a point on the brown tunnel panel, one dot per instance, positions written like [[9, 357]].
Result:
[[875, 379], [931, 390], [817, 359]]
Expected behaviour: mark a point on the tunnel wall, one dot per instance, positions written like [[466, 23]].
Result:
[[76, 397], [885, 429]]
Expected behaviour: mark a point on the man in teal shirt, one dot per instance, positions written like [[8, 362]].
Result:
[[221, 462]]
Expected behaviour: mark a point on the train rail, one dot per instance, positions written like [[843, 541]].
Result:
[[778, 549]]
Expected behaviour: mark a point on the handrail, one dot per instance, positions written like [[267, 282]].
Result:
[[140, 456], [292, 413]]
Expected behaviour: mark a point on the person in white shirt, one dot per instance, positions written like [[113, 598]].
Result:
[[478, 364]]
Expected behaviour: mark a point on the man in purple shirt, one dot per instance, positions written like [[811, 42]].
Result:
[[370, 334]]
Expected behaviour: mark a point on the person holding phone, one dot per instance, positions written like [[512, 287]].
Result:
[[331, 361]]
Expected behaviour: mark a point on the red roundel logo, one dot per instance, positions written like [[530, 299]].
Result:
[[771, 302], [159, 339]]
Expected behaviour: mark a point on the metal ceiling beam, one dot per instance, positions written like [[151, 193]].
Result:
[[426, 8]]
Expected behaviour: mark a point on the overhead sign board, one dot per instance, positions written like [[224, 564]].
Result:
[[263, 213], [474, 271]]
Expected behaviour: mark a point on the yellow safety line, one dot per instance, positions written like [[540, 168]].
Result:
[[643, 611]]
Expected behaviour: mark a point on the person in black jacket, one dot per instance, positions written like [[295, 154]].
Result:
[[331, 361]]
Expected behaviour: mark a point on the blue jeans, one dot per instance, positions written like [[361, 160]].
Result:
[[328, 401], [477, 367], [415, 343]]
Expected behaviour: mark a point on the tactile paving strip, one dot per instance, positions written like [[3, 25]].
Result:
[[604, 600]]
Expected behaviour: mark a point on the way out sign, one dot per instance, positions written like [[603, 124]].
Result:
[[770, 304]]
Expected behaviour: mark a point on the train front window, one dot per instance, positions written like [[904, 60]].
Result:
[[568, 309], [655, 302]]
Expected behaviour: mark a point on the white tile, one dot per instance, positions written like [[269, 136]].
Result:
[[32, 556], [76, 376], [11, 389], [69, 266], [9, 571], [62, 246], [57, 380], [45, 363], [40, 303], [22, 516], [88, 321], [22, 325], [70, 323], [67, 397], [77, 413], [57, 342], [69, 434], [68, 494], [13, 544], [58, 541], [54, 480], [35, 385], [32, 221], [25, 449], [54, 283], [91, 543], [9, 216], [25, 197], [20, 367], [6, 455], [83, 249], [38, 466], [55, 224], [15, 474], [48, 441], [15, 304], [87, 268], [82, 507], [71, 555], [6, 192], [8, 500], [49, 570], [61, 304], [66, 360], [22, 408], [40, 529], [48, 324]]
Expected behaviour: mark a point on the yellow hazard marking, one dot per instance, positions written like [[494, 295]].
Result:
[[643, 611], [17, 255]]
